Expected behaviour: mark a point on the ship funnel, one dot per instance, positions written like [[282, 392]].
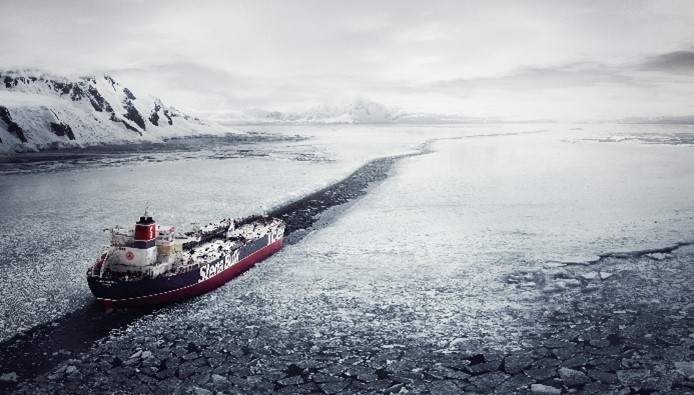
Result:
[[145, 233]]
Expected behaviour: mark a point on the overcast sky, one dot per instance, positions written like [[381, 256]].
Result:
[[565, 60]]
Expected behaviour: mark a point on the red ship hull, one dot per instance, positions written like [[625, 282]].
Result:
[[198, 288]]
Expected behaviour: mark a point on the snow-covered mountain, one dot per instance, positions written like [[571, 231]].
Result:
[[361, 111], [39, 111], [358, 112]]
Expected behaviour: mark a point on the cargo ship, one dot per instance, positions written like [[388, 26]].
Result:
[[147, 264]]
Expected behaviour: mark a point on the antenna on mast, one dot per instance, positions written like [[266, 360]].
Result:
[[146, 206]]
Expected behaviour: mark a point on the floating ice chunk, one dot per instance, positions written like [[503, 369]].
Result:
[[605, 275], [201, 391], [658, 256], [544, 389], [569, 282], [686, 368], [552, 265], [573, 378], [219, 380], [580, 260], [8, 377], [589, 275]]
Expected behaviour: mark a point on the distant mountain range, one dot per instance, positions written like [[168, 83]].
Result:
[[358, 112], [42, 111], [361, 111], [39, 111]]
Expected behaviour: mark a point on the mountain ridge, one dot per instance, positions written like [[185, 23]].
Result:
[[40, 111]]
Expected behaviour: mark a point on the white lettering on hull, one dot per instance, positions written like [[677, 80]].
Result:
[[226, 261]]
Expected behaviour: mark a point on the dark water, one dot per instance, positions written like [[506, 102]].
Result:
[[217, 147], [39, 349]]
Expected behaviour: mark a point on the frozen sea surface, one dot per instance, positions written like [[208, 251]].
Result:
[[468, 248], [433, 243], [55, 207], [435, 252]]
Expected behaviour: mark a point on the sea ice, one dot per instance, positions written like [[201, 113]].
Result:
[[425, 253]]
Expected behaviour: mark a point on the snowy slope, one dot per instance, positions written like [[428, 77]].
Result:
[[40, 111]]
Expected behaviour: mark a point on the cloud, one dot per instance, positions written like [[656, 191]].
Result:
[[583, 74], [576, 90], [671, 62], [186, 76], [293, 55], [580, 75], [26, 99]]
